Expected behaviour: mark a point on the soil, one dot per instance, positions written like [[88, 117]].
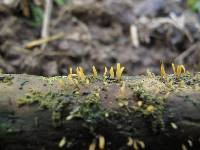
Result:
[[97, 32]]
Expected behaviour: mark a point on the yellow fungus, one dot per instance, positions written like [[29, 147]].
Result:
[[130, 141], [150, 108], [142, 145], [119, 71], [69, 77], [174, 126], [139, 103], [62, 142], [80, 73], [178, 70], [105, 71], [174, 68], [94, 71], [112, 74], [101, 142], [92, 146], [135, 146], [162, 70], [183, 68]]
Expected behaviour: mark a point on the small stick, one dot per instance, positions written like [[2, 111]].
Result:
[[46, 22], [45, 40], [25, 5]]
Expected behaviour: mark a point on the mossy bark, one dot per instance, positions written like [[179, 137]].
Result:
[[139, 112]]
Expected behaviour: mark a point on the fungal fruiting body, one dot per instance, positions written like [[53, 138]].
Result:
[[94, 71], [180, 69], [105, 71], [162, 71], [112, 74], [101, 142], [80, 73], [119, 71]]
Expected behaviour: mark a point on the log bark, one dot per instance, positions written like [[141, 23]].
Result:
[[139, 112]]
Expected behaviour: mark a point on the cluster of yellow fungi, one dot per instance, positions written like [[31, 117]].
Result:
[[178, 71], [101, 144], [80, 72]]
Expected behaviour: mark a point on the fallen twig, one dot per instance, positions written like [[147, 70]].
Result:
[[44, 40], [47, 17]]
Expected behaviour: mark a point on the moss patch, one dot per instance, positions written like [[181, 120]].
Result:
[[6, 79]]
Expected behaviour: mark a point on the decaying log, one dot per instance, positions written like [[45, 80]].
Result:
[[139, 112]]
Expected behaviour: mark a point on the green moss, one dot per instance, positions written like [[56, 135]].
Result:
[[55, 102], [7, 79], [89, 108]]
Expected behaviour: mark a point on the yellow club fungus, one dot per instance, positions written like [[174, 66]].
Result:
[[92, 146], [119, 71], [150, 108], [180, 69], [174, 126], [70, 74], [112, 74], [101, 142], [130, 141], [62, 142], [94, 71], [105, 71], [135, 145], [162, 70], [80, 73]]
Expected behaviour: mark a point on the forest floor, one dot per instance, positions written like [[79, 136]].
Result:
[[138, 34]]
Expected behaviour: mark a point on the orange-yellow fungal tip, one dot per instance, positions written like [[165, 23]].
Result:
[[112, 74], [183, 68], [92, 146], [142, 145], [69, 77], [80, 73], [119, 71], [178, 70], [130, 141], [62, 142], [105, 71], [173, 68], [139, 103], [150, 108], [94, 71], [135, 145], [174, 126], [162, 70], [102, 142]]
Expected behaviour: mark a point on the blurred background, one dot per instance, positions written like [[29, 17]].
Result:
[[46, 37]]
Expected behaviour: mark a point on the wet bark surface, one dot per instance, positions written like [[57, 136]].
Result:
[[37, 112]]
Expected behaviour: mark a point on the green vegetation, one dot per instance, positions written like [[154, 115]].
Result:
[[194, 5]]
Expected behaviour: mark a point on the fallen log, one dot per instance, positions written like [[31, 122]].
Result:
[[99, 112]]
